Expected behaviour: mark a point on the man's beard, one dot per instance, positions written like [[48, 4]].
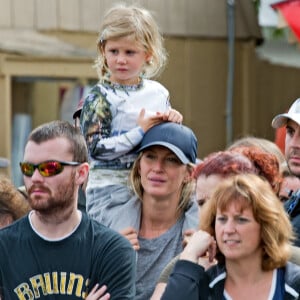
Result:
[[294, 168], [61, 201]]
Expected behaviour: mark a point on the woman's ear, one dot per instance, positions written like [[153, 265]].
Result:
[[187, 178], [189, 173]]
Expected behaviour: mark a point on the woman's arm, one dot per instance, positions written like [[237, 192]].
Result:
[[163, 279], [187, 281]]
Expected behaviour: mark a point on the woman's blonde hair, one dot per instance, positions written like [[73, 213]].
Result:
[[138, 23], [188, 187], [249, 190]]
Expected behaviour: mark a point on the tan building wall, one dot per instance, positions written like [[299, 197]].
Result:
[[205, 18], [196, 74]]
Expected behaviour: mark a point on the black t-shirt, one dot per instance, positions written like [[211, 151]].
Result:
[[34, 268]]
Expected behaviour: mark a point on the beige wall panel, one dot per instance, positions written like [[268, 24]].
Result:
[[69, 14], [85, 40], [107, 4], [245, 99], [175, 75], [5, 120], [21, 97], [196, 78], [5, 14], [92, 12], [50, 68], [24, 14], [208, 18], [46, 14], [159, 10], [277, 88], [176, 17], [143, 3], [200, 15], [45, 96], [208, 72]]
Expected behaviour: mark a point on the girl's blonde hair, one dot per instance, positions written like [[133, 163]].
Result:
[[138, 23], [187, 189], [251, 191]]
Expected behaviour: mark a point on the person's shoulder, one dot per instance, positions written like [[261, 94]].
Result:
[[155, 85], [191, 216], [292, 273], [292, 202], [295, 257], [292, 268], [103, 234], [94, 92], [216, 272], [15, 228], [292, 278]]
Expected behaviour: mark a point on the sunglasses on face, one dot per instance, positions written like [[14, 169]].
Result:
[[46, 168]]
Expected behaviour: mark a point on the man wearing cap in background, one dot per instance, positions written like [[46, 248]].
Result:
[[162, 207], [291, 121]]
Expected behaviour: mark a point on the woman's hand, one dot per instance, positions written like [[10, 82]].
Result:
[[98, 294], [132, 236], [201, 244], [187, 236]]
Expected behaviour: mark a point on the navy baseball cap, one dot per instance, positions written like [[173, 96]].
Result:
[[293, 114], [178, 138]]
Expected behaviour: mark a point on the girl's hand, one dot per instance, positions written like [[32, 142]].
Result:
[[146, 122], [132, 236], [98, 294], [173, 115]]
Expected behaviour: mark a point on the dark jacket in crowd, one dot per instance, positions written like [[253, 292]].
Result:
[[292, 207], [189, 281]]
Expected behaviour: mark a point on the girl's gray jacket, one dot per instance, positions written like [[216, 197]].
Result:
[[189, 281]]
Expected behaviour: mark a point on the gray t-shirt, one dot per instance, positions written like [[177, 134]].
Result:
[[153, 256]]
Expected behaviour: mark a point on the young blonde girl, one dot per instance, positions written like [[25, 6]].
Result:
[[125, 103]]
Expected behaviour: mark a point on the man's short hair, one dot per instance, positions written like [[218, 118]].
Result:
[[62, 129]]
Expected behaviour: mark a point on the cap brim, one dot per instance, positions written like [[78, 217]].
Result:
[[173, 148], [281, 120], [77, 113]]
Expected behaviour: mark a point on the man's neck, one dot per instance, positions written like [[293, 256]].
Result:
[[53, 227]]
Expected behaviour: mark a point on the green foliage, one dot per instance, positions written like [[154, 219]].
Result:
[[256, 4]]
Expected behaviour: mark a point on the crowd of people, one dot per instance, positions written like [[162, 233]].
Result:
[[118, 206]]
